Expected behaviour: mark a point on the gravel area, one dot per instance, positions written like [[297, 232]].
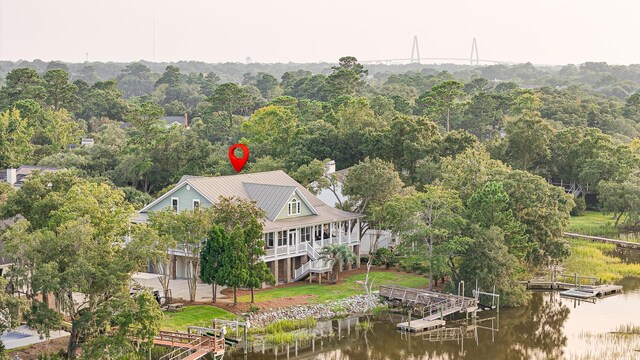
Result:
[[355, 305]]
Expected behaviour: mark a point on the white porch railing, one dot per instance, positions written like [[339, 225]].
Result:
[[307, 248], [315, 266]]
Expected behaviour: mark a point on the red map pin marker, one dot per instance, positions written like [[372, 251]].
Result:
[[238, 163]]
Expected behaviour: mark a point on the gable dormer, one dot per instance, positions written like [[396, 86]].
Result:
[[295, 206]]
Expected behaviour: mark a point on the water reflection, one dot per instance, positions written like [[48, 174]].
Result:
[[549, 327]]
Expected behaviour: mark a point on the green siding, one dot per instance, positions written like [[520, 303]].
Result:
[[304, 209], [185, 199]]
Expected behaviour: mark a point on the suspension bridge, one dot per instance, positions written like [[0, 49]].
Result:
[[473, 59]]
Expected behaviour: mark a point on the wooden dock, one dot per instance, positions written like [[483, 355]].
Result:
[[581, 287], [585, 292], [434, 306], [420, 325], [618, 243], [190, 346]]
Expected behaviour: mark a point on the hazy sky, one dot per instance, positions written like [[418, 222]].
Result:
[[540, 31]]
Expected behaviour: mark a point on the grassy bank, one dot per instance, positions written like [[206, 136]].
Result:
[[351, 285], [593, 223], [197, 315], [590, 259]]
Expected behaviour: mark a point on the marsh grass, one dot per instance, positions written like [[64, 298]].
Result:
[[589, 259], [285, 331], [627, 329], [593, 223], [286, 325]]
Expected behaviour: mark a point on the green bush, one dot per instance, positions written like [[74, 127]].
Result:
[[385, 257], [580, 208]]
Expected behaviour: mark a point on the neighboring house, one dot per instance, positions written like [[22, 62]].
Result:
[[87, 142], [5, 262], [297, 226], [17, 176], [176, 120], [333, 196]]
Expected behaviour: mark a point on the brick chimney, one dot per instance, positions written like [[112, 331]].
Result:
[[12, 176], [330, 167]]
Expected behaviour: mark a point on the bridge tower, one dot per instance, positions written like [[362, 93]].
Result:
[[415, 51], [474, 49]]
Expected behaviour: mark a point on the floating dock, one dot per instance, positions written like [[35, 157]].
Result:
[[420, 325], [434, 306], [586, 292], [576, 288]]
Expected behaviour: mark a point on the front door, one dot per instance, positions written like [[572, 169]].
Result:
[[293, 237]]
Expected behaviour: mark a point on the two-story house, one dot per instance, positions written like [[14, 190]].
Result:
[[297, 226]]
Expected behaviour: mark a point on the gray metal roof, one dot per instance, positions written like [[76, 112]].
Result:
[[270, 198], [266, 187], [171, 120]]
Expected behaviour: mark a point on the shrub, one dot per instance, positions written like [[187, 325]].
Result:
[[580, 208], [385, 257]]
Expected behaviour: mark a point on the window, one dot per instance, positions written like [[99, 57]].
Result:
[[174, 204], [294, 207], [282, 238], [268, 239], [196, 204], [305, 234]]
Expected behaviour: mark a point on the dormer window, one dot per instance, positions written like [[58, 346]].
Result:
[[294, 207]]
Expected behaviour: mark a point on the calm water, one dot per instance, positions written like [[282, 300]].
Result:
[[550, 327]]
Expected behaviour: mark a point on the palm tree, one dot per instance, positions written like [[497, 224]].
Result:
[[337, 255]]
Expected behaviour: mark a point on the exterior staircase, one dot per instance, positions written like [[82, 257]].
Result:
[[313, 265], [316, 266]]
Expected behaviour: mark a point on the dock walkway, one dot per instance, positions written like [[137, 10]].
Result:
[[619, 243], [576, 288], [189, 346], [433, 305]]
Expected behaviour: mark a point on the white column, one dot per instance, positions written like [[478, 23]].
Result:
[[340, 232], [358, 229], [330, 233], [313, 235], [349, 230], [321, 235]]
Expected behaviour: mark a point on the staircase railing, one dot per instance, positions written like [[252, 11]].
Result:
[[312, 252], [315, 265]]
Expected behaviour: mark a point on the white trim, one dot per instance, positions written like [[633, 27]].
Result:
[[293, 203], [177, 209], [306, 202], [302, 198], [194, 202]]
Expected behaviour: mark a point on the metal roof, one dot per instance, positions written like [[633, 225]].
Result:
[[268, 190], [270, 198]]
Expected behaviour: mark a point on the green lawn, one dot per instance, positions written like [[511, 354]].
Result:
[[590, 259], [593, 223], [348, 287], [197, 315]]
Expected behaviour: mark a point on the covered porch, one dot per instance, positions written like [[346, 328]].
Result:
[[309, 239]]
